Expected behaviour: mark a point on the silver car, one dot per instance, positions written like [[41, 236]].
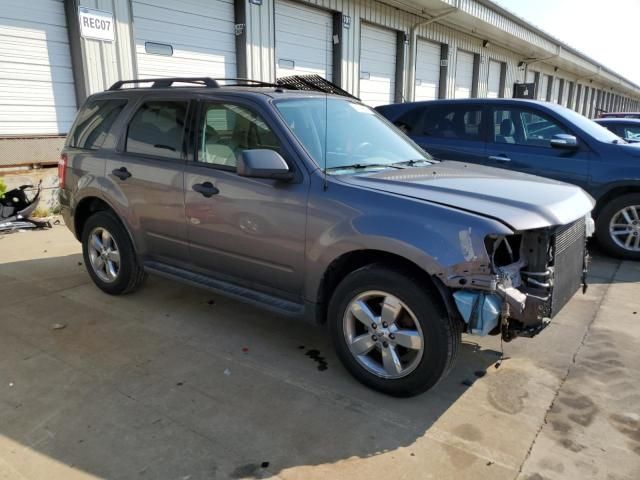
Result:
[[315, 207]]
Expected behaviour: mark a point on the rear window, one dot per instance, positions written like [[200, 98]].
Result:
[[94, 122]]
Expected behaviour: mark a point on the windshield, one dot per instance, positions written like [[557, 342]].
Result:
[[349, 135], [591, 128]]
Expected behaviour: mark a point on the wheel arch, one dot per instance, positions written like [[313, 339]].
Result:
[[353, 260], [612, 193], [93, 204]]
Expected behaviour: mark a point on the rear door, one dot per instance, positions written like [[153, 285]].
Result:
[[519, 139], [453, 131], [145, 177]]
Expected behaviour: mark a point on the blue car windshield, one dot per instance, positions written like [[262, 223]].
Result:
[[591, 128], [347, 134]]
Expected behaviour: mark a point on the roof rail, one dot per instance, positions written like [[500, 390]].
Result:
[[167, 82]]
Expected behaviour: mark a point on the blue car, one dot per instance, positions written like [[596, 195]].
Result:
[[542, 139]]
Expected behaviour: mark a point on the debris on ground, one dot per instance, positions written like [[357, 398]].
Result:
[[58, 326], [16, 207], [227, 372]]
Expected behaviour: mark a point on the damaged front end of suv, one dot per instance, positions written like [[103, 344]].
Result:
[[533, 274]]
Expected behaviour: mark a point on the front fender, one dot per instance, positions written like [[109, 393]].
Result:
[[443, 241]]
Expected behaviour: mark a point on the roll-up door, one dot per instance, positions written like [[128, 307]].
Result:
[[464, 74], [427, 70], [37, 94], [377, 65], [544, 86], [304, 42], [183, 39], [493, 81]]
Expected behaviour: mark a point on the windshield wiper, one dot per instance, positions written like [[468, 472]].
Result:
[[411, 163], [362, 166]]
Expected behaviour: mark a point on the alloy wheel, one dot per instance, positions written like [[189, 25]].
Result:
[[104, 255], [624, 228], [383, 334]]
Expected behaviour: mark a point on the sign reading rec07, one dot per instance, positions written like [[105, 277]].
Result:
[[96, 24]]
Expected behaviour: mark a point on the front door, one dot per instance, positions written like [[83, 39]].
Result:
[[247, 231], [520, 140]]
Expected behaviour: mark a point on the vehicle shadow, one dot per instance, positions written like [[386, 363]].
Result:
[[176, 382]]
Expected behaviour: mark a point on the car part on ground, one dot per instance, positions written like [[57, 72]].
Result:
[[16, 207]]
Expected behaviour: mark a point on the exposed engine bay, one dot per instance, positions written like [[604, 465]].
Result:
[[533, 275]]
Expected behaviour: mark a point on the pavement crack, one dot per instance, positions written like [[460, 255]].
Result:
[[569, 369]]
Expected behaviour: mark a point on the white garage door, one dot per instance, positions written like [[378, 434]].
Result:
[[303, 40], [37, 95], [184, 39], [493, 80], [377, 65], [555, 90], [427, 70], [464, 74], [531, 76], [544, 85]]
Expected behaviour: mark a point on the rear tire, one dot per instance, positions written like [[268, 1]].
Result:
[[618, 227], [380, 357], [109, 255]]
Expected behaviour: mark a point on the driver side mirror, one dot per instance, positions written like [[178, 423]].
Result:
[[565, 141], [263, 163]]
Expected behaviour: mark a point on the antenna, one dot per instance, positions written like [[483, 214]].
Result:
[[325, 184]]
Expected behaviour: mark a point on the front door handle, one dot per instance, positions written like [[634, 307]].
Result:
[[500, 158], [206, 189], [122, 173]]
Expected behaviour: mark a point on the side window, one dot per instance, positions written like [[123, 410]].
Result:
[[455, 122], [524, 127], [410, 122], [227, 130], [157, 129], [631, 133], [94, 122]]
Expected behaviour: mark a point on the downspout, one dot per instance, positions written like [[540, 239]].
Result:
[[413, 38]]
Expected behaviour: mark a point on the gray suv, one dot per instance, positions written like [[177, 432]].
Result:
[[314, 206]]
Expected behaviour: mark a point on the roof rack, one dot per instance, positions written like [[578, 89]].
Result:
[[313, 83], [295, 82], [167, 82]]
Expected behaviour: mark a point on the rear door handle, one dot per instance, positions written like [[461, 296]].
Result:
[[206, 189], [500, 158], [122, 173]]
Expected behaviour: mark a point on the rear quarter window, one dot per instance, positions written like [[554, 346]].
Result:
[[93, 123]]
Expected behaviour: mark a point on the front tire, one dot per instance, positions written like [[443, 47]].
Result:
[[618, 227], [391, 332], [109, 255]]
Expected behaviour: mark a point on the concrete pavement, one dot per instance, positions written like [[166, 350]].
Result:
[[175, 382]]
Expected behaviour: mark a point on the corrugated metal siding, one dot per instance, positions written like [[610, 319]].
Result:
[[37, 95], [108, 62]]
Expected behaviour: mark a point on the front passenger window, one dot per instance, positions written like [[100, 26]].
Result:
[[228, 130], [524, 127]]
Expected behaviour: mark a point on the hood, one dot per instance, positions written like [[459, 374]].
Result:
[[519, 200]]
